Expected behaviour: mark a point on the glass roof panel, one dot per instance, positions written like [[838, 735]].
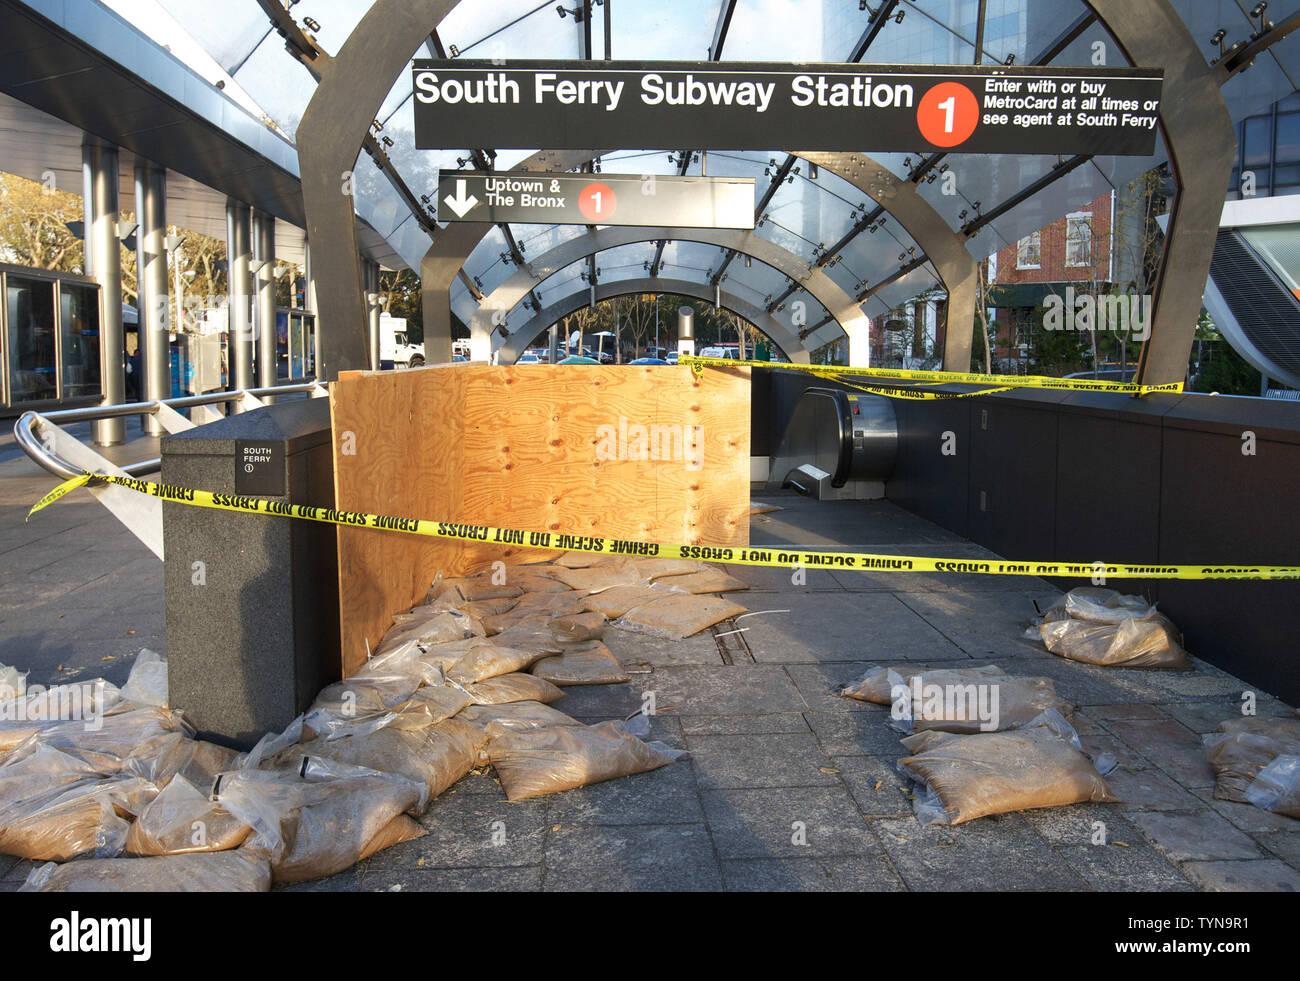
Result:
[[666, 30], [510, 29], [281, 85], [337, 19], [776, 30], [228, 31]]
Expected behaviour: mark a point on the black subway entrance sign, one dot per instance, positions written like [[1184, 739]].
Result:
[[596, 199], [569, 105]]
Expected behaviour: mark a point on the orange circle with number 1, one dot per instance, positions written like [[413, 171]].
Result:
[[597, 203], [948, 114]]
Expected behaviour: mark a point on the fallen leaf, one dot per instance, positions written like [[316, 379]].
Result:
[[556, 828], [878, 784], [828, 769], [108, 657], [1122, 844]]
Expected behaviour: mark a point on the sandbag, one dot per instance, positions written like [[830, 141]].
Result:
[[472, 589], [585, 664], [542, 606], [147, 683], [176, 754], [514, 717], [318, 819], [231, 871], [1152, 642], [877, 684], [513, 688], [429, 706], [535, 579], [607, 575], [707, 580], [578, 627], [120, 735], [1240, 748], [489, 661], [998, 772], [12, 682], [429, 625], [1099, 605], [82, 818], [679, 615], [1277, 787], [435, 756], [536, 762], [180, 820], [489, 607], [965, 701], [617, 600], [38, 709]]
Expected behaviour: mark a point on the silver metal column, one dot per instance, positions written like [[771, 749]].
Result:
[[104, 260], [154, 304], [370, 275], [264, 253], [239, 298]]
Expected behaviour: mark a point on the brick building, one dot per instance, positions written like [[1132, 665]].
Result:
[[1076, 250]]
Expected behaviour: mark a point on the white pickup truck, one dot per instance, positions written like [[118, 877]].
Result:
[[393, 345]]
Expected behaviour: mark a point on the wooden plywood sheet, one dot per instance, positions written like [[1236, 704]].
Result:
[[651, 453]]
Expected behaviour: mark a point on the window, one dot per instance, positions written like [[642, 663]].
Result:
[[1078, 239], [33, 372], [1029, 251], [79, 321]]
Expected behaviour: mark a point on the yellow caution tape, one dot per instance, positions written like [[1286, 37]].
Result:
[[734, 555], [1002, 383]]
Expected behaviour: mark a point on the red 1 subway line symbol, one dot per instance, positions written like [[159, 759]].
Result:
[[460, 203], [948, 114], [597, 203]]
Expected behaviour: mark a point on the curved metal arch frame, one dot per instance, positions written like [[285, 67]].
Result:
[[509, 352], [956, 268], [354, 83], [844, 308], [1202, 146]]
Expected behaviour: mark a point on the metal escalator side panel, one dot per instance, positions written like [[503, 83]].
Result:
[[1254, 310]]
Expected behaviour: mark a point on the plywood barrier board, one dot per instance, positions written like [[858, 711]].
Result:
[[651, 452]]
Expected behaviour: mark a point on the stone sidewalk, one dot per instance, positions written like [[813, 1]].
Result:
[[777, 756]]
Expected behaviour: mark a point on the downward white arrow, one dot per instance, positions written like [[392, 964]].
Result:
[[460, 204]]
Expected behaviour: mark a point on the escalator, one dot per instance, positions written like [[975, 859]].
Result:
[[836, 445]]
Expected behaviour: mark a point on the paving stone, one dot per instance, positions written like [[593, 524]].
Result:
[[522, 879], [1001, 853], [771, 760], [604, 701], [857, 733], [821, 684], [742, 725], [664, 796], [1203, 835], [1263, 875], [1127, 712], [839, 874], [1147, 788], [472, 831], [829, 627], [775, 579], [739, 689], [1284, 844], [1089, 685], [1206, 716], [634, 649], [349, 880], [1169, 745], [982, 624], [776, 823], [1114, 858], [632, 858], [875, 784]]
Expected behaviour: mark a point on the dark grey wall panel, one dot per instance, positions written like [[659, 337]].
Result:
[[1162, 479]]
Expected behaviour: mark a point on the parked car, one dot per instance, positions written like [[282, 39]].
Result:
[[648, 361], [528, 359], [673, 357]]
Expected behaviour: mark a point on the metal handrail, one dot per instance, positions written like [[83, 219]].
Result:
[[34, 448]]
